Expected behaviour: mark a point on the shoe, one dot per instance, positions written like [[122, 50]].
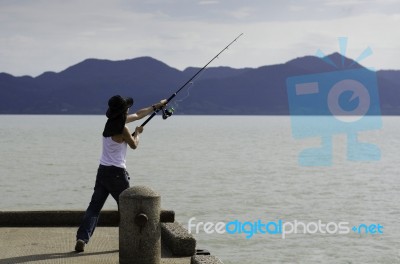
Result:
[[80, 245]]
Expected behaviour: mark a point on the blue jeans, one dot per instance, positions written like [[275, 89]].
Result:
[[109, 180]]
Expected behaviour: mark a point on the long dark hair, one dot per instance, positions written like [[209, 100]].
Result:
[[115, 126]]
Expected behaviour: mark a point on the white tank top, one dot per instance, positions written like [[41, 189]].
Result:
[[114, 154]]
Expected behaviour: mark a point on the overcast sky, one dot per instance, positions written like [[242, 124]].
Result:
[[51, 35]]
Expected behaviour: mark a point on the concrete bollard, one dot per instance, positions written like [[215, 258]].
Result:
[[139, 229]]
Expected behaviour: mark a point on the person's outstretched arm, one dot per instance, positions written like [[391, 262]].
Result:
[[145, 111]]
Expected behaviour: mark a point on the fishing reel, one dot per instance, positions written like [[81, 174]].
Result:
[[167, 112]]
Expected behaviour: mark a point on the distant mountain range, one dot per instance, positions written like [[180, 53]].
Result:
[[84, 88]]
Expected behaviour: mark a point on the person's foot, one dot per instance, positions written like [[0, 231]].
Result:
[[80, 245]]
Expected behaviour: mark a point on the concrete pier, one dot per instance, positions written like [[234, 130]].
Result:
[[49, 245], [25, 239], [146, 235]]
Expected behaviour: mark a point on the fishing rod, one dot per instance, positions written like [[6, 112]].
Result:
[[168, 112]]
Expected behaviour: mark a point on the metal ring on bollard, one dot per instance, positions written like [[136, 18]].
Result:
[[141, 219]]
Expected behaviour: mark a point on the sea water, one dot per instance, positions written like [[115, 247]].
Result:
[[228, 169]]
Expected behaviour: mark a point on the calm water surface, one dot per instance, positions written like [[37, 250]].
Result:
[[218, 169]]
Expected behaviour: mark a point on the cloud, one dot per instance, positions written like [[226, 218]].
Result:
[[208, 2], [38, 36], [240, 13]]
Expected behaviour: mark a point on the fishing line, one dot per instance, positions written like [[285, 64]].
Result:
[[190, 86], [177, 101]]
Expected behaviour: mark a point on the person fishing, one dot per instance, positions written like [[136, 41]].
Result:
[[112, 176]]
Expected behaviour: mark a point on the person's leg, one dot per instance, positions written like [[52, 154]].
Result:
[[91, 216], [117, 184]]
